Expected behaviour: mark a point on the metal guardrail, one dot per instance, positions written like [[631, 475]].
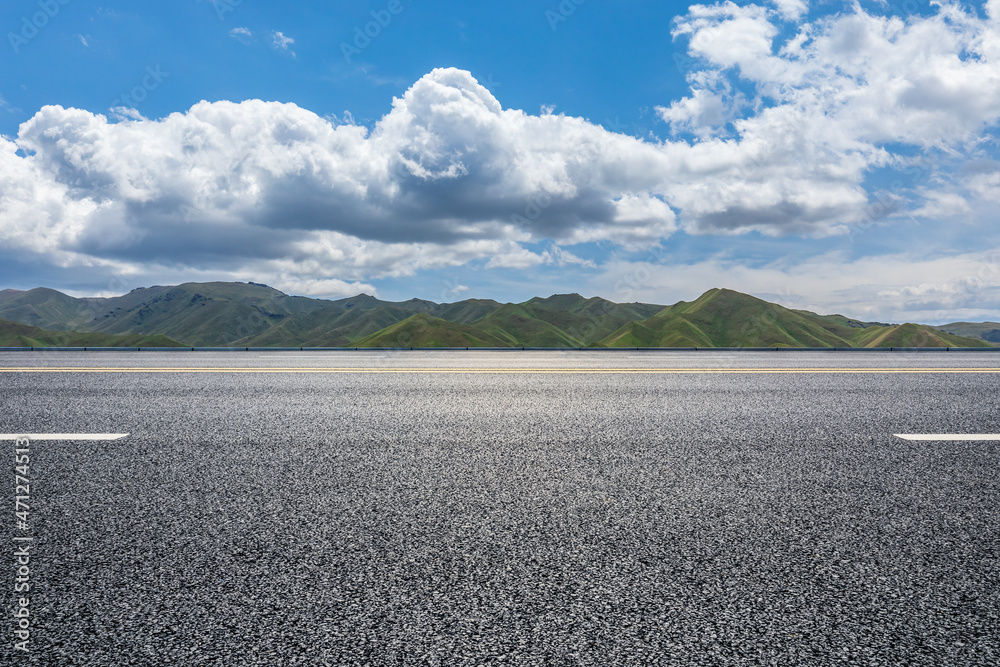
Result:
[[500, 349]]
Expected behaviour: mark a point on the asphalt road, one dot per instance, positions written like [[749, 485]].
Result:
[[543, 515]]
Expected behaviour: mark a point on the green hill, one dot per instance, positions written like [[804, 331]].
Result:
[[985, 331], [516, 327], [13, 334], [466, 312], [422, 330], [43, 308], [919, 335], [254, 315], [724, 318], [212, 314], [9, 294], [329, 327], [587, 320], [205, 314]]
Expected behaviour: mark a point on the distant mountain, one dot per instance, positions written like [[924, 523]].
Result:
[[44, 308], [918, 335], [512, 324], [255, 315], [210, 314], [422, 330], [987, 331], [587, 320], [13, 334], [724, 318]]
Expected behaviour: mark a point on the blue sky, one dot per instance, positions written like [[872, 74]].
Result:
[[577, 67], [826, 155]]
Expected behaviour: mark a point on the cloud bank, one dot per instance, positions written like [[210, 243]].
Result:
[[784, 125]]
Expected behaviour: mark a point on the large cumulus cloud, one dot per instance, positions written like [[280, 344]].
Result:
[[793, 125], [446, 177], [783, 124]]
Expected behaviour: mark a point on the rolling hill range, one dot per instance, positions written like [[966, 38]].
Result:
[[422, 330], [254, 315], [988, 331], [724, 318], [13, 334]]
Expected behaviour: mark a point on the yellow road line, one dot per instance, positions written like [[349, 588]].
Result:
[[565, 371]]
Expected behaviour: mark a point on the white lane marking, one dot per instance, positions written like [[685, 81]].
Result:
[[948, 436], [63, 436]]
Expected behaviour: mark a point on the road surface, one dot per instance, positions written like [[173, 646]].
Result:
[[506, 508]]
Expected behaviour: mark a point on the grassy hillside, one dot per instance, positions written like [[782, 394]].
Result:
[[247, 314], [918, 335], [422, 330], [466, 312], [253, 315], [516, 327], [986, 331], [203, 314], [208, 314], [43, 308], [724, 318], [587, 320], [199, 314], [13, 334], [330, 327]]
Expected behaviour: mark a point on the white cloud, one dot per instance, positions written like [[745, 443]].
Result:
[[729, 35], [701, 114], [835, 101], [242, 34], [562, 257], [329, 288], [126, 113], [986, 186], [940, 204], [783, 139], [446, 178], [83, 40], [894, 288], [283, 42], [791, 10], [513, 256]]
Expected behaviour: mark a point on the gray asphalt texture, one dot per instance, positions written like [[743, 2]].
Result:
[[529, 519]]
